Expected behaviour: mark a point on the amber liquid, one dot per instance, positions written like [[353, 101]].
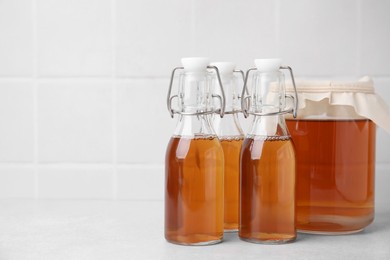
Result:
[[335, 174], [231, 149], [194, 191], [267, 191]]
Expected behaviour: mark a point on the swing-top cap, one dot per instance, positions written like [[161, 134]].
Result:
[[195, 64], [224, 67]]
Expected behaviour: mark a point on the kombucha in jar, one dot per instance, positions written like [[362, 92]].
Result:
[[334, 136], [231, 135], [335, 180]]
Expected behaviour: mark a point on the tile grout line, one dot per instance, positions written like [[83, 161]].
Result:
[[83, 165], [35, 96], [114, 101], [54, 78]]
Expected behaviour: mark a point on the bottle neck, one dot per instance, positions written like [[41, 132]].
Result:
[[194, 92], [231, 87], [268, 93], [228, 126], [194, 126], [269, 127]]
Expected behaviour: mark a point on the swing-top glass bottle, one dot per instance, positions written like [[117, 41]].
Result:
[[231, 135], [194, 159], [267, 177]]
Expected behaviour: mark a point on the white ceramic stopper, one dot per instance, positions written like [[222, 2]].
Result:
[[195, 64], [224, 68]]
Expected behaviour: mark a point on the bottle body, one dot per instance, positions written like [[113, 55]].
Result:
[[231, 148], [267, 189], [194, 191]]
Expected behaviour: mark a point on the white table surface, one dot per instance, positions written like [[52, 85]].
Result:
[[93, 229]]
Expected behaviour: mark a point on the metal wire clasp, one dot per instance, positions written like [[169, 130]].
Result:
[[222, 99], [295, 99], [246, 100]]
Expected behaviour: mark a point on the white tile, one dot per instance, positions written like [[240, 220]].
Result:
[[319, 38], [17, 182], [75, 182], [75, 121], [383, 138], [16, 117], [144, 125], [375, 37], [151, 36], [235, 31], [140, 183], [16, 38], [74, 38]]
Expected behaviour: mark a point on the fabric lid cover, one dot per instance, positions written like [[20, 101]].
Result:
[[360, 95]]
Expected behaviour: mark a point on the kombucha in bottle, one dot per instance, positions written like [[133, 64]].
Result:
[[231, 135], [267, 161], [194, 161]]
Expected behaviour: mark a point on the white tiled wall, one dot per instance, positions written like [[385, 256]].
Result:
[[320, 37], [17, 121], [73, 38], [150, 36], [75, 181], [83, 83], [75, 121], [16, 38]]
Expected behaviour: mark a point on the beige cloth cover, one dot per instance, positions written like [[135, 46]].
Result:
[[324, 98]]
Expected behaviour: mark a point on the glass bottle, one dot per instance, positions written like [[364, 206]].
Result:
[[267, 177], [194, 161], [231, 135]]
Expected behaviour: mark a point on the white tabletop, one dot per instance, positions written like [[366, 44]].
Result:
[[93, 229]]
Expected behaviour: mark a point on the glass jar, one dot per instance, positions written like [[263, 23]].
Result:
[[334, 136]]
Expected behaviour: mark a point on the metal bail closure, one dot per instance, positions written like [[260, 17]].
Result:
[[169, 97], [227, 69], [220, 111], [223, 98], [243, 87], [246, 99], [294, 99]]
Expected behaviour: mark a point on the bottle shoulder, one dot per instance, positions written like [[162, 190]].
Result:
[[229, 126], [181, 147], [277, 148]]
